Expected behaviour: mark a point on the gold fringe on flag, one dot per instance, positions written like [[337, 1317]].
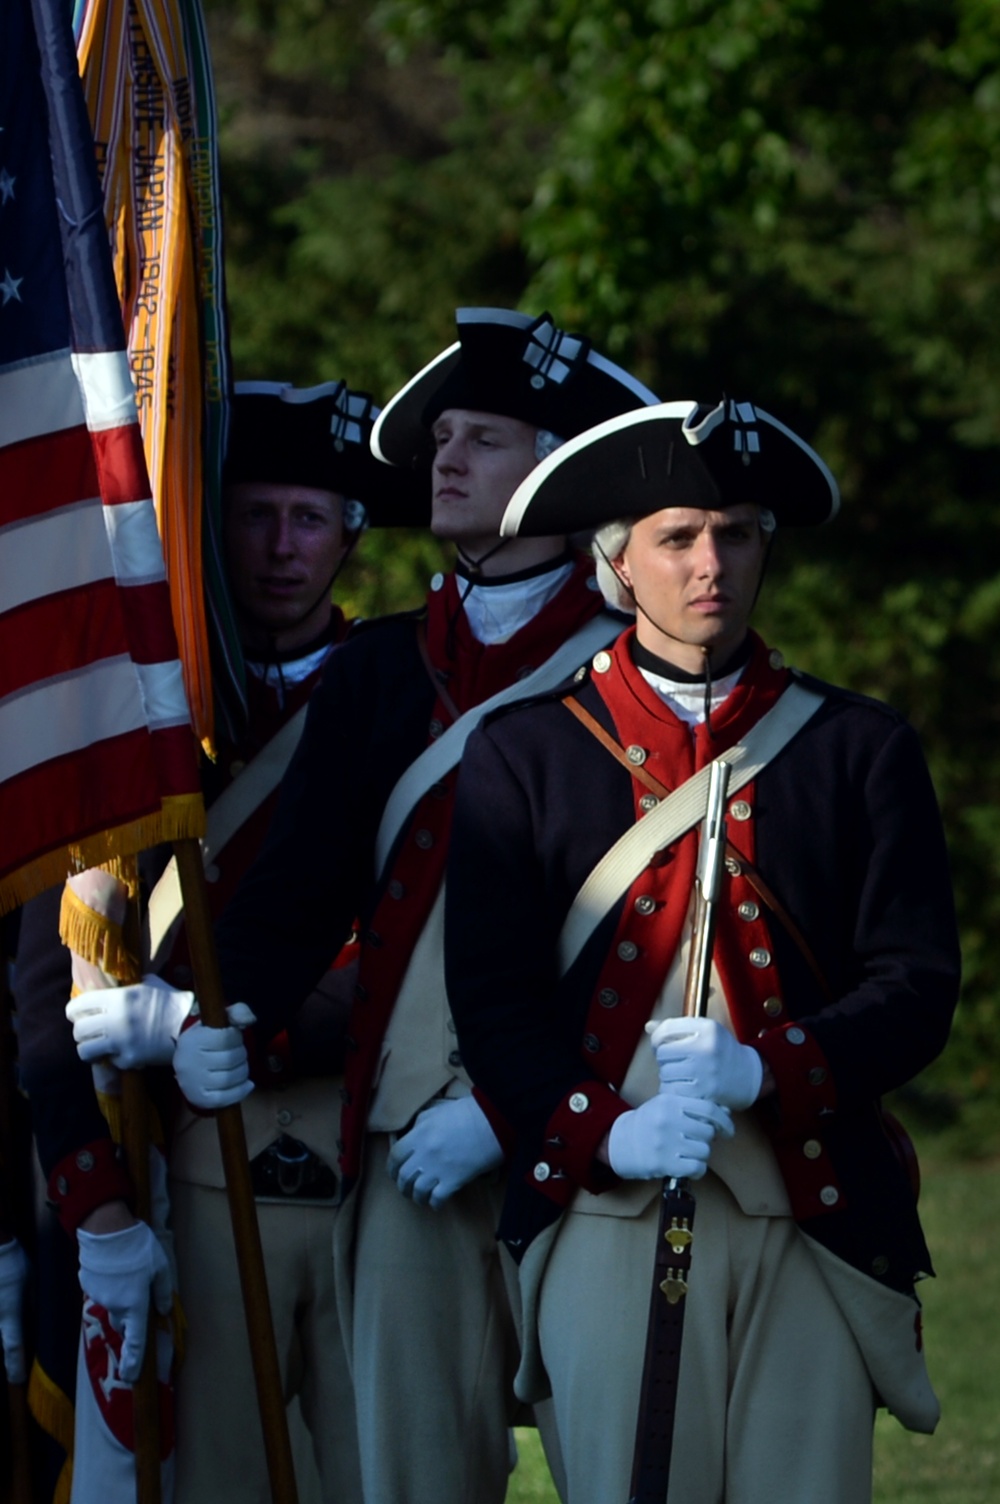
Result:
[[97, 939], [180, 816]]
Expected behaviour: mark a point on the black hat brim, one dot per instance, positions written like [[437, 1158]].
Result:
[[280, 436], [399, 432], [643, 461], [564, 387]]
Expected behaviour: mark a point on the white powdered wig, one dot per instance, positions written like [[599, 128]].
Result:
[[611, 541], [355, 516], [546, 443]]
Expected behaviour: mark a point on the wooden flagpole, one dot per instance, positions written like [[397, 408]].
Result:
[[232, 1141]]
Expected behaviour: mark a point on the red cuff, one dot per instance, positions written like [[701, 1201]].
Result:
[[802, 1075], [505, 1134], [573, 1136], [86, 1179]]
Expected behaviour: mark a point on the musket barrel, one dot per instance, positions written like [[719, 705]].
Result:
[[708, 885]]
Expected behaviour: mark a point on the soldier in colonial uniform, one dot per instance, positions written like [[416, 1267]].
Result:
[[363, 826], [835, 975]]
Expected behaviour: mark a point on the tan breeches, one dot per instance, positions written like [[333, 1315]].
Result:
[[776, 1405], [432, 1346], [220, 1454]]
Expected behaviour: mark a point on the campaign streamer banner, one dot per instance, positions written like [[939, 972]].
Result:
[[147, 82]]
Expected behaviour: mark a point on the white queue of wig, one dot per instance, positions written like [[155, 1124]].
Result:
[[355, 516], [546, 443], [610, 543]]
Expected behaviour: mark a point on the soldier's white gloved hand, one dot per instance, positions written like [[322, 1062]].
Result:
[[120, 1270], [211, 1065], [13, 1280], [450, 1143], [668, 1136], [701, 1058], [133, 1026]]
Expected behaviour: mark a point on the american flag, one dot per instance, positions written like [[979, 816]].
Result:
[[97, 756]]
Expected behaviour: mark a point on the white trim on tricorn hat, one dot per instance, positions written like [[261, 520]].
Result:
[[398, 424], [675, 454], [320, 436], [516, 366]]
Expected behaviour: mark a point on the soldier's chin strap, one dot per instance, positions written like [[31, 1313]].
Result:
[[706, 649], [474, 573]]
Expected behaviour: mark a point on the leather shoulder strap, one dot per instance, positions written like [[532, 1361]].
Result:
[[444, 754], [227, 815], [675, 816], [764, 892]]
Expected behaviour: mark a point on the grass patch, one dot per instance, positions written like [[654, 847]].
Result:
[[960, 1207]]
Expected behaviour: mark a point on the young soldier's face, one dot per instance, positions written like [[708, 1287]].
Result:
[[283, 544], [694, 575], [479, 461]]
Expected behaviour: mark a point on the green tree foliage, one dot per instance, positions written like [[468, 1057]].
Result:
[[793, 200]]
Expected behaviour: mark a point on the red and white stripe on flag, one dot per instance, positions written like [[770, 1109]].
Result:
[[97, 755]]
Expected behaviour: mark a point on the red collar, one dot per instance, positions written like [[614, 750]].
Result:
[[473, 671], [674, 750]]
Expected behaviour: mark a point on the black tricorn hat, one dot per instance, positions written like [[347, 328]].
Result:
[[513, 365], [320, 436], [677, 454]]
